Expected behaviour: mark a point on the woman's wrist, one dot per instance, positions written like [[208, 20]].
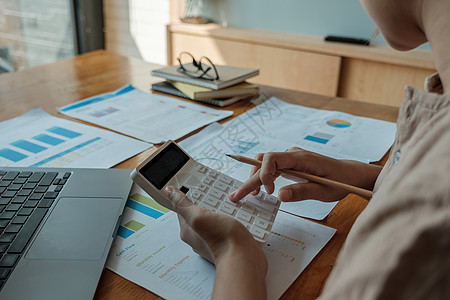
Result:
[[357, 173], [244, 267], [251, 254]]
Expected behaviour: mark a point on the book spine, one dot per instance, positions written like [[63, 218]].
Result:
[[221, 102], [168, 90], [186, 80], [213, 102]]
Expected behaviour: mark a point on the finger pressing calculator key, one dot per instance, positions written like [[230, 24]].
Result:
[[205, 187]]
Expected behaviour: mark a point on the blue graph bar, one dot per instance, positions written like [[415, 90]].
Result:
[[124, 232], [316, 139], [155, 214], [12, 155], [48, 139], [126, 89], [28, 146], [64, 132], [38, 164]]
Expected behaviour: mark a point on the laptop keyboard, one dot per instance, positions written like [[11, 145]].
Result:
[[25, 198]]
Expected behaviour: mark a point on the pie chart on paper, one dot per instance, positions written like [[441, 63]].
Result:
[[339, 123]]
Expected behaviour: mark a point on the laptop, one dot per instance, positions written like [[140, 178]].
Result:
[[56, 228]]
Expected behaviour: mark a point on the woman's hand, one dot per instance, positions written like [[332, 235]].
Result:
[[241, 264], [345, 171]]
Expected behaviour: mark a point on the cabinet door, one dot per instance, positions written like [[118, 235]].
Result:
[[377, 82], [279, 67]]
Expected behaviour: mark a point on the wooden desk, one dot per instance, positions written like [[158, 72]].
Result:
[[57, 84]]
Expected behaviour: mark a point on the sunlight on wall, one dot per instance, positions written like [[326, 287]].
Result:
[[137, 28]]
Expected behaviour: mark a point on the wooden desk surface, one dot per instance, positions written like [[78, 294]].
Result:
[[57, 84]]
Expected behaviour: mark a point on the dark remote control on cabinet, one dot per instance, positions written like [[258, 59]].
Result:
[[348, 40]]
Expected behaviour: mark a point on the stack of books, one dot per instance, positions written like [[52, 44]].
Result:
[[230, 88]]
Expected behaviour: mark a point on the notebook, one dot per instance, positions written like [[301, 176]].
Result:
[[228, 76], [168, 88], [57, 226], [196, 92]]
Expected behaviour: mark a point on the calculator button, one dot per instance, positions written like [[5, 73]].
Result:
[[237, 184], [220, 185], [227, 208], [204, 205], [196, 194], [216, 193], [265, 214], [201, 168], [226, 179], [258, 232], [229, 202], [272, 199], [245, 216], [202, 187], [248, 208], [213, 173], [211, 201], [208, 180], [260, 195], [264, 205], [260, 222]]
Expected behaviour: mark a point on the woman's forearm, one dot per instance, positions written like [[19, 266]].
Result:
[[241, 274]]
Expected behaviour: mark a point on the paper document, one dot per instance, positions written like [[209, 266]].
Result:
[[37, 139], [210, 145], [332, 133], [277, 126], [149, 252], [149, 117]]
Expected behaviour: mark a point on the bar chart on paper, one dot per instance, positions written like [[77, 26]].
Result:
[[319, 137], [37, 139], [149, 252], [140, 211], [129, 228], [43, 141], [156, 258], [53, 147]]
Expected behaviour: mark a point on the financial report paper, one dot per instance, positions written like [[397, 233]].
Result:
[[38, 139], [276, 126], [148, 117], [149, 252]]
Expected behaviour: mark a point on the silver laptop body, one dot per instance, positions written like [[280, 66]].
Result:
[[67, 252]]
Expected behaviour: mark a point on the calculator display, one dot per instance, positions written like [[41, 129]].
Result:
[[164, 166]]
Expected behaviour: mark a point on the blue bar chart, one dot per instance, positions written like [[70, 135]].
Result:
[[28, 146], [48, 139], [140, 211], [129, 228], [64, 132], [12, 155], [23, 148], [319, 137], [38, 139]]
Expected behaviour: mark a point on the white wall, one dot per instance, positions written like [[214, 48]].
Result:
[[137, 28], [307, 17]]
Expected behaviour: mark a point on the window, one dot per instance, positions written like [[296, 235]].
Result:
[[36, 32]]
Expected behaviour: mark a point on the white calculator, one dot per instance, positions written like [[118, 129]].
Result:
[[207, 188]]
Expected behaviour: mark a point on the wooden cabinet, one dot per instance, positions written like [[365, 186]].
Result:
[[375, 74]]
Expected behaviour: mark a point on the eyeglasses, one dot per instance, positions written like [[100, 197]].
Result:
[[203, 68]]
